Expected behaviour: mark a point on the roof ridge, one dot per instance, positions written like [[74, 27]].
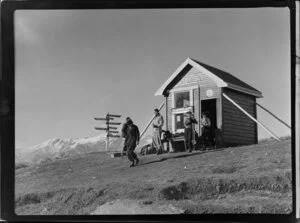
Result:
[[224, 72]]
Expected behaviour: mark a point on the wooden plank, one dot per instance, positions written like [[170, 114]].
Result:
[[238, 126], [240, 133], [243, 105], [248, 107], [98, 128], [113, 136], [244, 129], [231, 108], [236, 113], [237, 121], [235, 138], [113, 123], [110, 131], [243, 132], [103, 119], [116, 116]]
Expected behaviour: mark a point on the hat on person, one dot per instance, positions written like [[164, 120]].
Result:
[[156, 110]]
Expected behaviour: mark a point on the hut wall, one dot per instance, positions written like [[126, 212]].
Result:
[[238, 129], [193, 78]]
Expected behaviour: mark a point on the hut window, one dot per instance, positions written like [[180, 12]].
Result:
[[179, 121], [182, 99]]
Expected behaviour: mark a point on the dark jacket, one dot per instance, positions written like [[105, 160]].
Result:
[[189, 121], [132, 136], [124, 130]]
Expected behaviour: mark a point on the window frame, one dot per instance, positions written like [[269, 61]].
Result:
[[184, 109]]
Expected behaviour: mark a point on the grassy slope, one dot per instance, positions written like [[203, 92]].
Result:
[[249, 179]]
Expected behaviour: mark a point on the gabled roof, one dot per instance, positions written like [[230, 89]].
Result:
[[221, 78]]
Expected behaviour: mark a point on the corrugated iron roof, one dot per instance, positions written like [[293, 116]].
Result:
[[227, 77], [222, 78]]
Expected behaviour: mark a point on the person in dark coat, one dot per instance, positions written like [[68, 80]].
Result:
[[131, 141], [124, 134], [188, 130]]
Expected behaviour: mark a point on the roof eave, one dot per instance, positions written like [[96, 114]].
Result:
[[257, 94], [218, 81]]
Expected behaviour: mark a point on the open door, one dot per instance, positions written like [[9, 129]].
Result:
[[210, 106]]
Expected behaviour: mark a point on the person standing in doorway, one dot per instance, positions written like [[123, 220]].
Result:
[[157, 125], [205, 129], [189, 130], [131, 141]]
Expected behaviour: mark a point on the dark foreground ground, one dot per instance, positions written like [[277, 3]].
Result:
[[248, 179]]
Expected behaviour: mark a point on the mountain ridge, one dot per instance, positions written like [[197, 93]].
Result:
[[58, 148]]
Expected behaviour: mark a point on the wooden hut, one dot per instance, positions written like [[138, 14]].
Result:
[[198, 87]]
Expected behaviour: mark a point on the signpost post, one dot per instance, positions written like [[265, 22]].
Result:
[[109, 128]]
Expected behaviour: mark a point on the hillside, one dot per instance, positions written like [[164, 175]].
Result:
[[248, 179]]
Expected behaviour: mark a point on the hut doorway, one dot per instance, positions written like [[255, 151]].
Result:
[[210, 107]]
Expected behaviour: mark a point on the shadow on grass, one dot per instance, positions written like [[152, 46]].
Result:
[[181, 156]]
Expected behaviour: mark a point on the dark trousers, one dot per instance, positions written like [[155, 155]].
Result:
[[130, 152], [206, 137], [131, 155], [188, 137]]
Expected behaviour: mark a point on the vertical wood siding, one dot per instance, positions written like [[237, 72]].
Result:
[[196, 108], [238, 129], [169, 112], [195, 77]]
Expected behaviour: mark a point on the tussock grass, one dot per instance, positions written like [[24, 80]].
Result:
[[207, 188], [69, 201], [21, 165], [248, 179]]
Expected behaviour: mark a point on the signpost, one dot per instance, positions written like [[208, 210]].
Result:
[[109, 128]]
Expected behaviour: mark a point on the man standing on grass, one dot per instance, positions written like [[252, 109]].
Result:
[[131, 141], [157, 124]]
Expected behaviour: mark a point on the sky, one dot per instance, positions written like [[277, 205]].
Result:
[[72, 66]]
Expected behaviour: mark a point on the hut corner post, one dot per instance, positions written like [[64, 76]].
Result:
[[246, 113]]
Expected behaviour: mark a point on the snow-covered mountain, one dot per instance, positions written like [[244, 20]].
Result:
[[58, 148]]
